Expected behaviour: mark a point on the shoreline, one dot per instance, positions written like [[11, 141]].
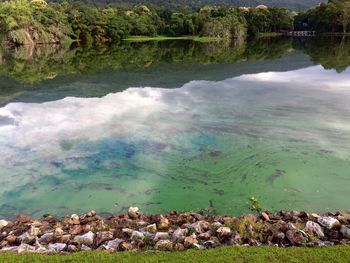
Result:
[[175, 231]]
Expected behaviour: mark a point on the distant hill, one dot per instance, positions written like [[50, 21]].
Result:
[[290, 4]]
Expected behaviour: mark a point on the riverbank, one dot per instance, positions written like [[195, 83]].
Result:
[[165, 38], [175, 231]]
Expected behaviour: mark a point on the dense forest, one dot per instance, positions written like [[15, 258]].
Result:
[[29, 22], [194, 4]]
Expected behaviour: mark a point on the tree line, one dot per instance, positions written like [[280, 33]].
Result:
[[36, 21], [333, 17]]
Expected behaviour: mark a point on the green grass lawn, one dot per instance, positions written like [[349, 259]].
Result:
[[164, 38], [225, 254]]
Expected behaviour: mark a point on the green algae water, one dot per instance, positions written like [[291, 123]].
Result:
[[276, 128]]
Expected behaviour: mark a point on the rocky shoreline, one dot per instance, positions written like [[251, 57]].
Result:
[[175, 231]]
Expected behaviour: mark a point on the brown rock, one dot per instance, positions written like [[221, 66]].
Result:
[[164, 245], [75, 230], [11, 239], [102, 237], [295, 238], [23, 218], [179, 247], [163, 223], [189, 241], [126, 246], [265, 216]]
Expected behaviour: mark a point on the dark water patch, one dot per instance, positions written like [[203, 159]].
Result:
[[215, 154], [277, 174]]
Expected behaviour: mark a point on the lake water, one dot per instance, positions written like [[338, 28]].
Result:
[[176, 126]]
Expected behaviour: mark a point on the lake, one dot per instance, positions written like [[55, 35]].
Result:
[[175, 125]]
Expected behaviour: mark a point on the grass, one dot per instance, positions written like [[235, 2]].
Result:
[[224, 254], [165, 38], [271, 34]]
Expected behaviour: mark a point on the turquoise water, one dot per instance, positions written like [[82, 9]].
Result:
[[282, 136]]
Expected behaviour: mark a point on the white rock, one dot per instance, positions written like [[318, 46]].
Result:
[[161, 236], [345, 231], [25, 248], [136, 235], [179, 234], [86, 239], [314, 228], [85, 248], [3, 223], [328, 222], [133, 212], [224, 232], [58, 247], [216, 224], [114, 244]]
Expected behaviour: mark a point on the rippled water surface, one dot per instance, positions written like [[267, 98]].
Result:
[[280, 132]]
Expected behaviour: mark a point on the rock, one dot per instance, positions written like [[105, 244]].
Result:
[[265, 216], [205, 236], [74, 220], [164, 245], [91, 213], [189, 241], [216, 224], [179, 234], [161, 236], [291, 226], [224, 232], [11, 239], [200, 227], [314, 228], [125, 246], [198, 246], [25, 248], [209, 244], [86, 239], [22, 218], [136, 235], [328, 222], [47, 238], [10, 249], [63, 238], [59, 232], [163, 223], [85, 248], [29, 236], [114, 244], [295, 238], [3, 223], [58, 247], [102, 237], [179, 247], [150, 228], [127, 231], [133, 212], [72, 248], [75, 230], [345, 231]]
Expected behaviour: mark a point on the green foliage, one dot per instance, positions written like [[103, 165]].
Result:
[[331, 17], [255, 205], [28, 22]]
